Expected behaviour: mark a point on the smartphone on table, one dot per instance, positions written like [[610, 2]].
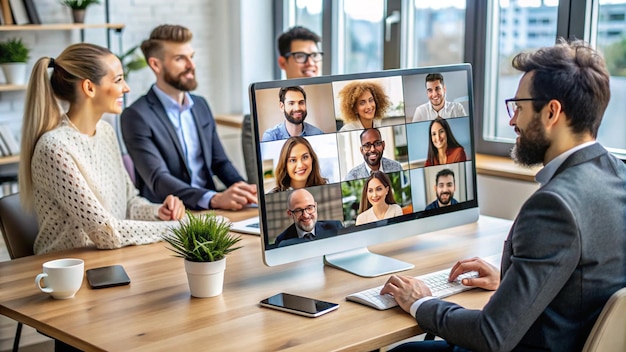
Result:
[[308, 307]]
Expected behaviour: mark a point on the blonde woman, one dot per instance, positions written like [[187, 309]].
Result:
[[362, 105], [71, 172]]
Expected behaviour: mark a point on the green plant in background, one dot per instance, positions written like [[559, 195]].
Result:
[[132, 61], [79, 4], [202, 238], [13, 50]]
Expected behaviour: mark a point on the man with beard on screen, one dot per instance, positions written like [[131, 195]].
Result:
[[444, 189], [372, 148], [171, 135], [292, 102]]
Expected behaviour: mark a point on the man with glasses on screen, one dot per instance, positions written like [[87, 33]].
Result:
[[437, 105], [299, 56], [302, 208], [566, 251], [372, 148]]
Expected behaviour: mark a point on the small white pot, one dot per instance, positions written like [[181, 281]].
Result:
[[14, 72], [206, 279]]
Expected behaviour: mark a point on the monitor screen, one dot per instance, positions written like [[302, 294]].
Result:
[[348, 161]]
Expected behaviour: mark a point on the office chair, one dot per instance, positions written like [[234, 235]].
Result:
[[19, 230], [609, 331]]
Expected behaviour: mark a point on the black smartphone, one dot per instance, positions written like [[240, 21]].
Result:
[[107, 276], [308, 307]]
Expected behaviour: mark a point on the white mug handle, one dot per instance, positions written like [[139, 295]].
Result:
[[38, 283]]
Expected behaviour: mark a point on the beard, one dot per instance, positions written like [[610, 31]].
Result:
[[291, 119], [179, 83], [374, 162], [531, 146], [441, 201]]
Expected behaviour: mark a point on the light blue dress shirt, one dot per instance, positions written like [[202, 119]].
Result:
[[187, 132]]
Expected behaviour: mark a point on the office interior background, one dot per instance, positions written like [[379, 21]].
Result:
[[235, 43]]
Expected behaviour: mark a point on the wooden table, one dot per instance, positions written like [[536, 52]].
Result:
[[156, 312]]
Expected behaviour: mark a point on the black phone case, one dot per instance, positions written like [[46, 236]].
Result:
[[107, 276]]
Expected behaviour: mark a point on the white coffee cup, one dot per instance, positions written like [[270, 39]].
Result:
[[62, 278]]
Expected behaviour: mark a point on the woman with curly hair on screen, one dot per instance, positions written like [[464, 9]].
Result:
[[363, 105], [297, 166], [377, 200]]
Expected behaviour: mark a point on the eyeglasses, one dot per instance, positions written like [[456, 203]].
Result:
[[310, 209], [302, 57], [368, 145], [512, 106]]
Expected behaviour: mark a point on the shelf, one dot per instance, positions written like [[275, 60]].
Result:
[[12, 87], [60, 26], [12, 159]]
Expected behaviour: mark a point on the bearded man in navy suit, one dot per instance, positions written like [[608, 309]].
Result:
[[171, 135]]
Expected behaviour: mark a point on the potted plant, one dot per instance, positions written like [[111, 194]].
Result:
[[78, 8], [13, 57], [203, 241]]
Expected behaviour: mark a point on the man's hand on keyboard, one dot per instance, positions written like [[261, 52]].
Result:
[[488, 276], [405, 290]]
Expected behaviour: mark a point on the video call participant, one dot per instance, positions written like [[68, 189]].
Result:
[[372, 148], [302, 208], [560, 263], [362, 105], [171, 135], [292, 103], [377, 201], [437, 106], [443, 148], [297, 166], [299, 56], [71, 171], [444, 189]]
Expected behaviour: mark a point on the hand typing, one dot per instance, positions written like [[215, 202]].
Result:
[[488, 276], [405, 290]]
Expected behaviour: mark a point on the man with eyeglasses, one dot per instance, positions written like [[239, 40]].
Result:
[[302, 208], [299, 56], [372, 148], [437, 105], [566, 251], [292, 103], [444, 189]]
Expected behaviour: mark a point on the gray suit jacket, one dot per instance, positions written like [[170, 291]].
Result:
[[564, 257], [361, 171], [159, 161]]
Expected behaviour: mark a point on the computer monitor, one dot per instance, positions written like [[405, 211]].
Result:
[[329, 181]]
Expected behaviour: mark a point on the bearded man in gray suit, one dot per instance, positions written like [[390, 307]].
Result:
[[566, 252]]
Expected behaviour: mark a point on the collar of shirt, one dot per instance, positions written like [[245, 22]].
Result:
[[544, 175], [170, 104], [369, 169], [301, 232]]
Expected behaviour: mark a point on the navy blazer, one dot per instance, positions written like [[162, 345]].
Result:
[[323, 229], [160, 165], [564, 257]]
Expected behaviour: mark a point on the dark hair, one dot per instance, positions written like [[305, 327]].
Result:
[[444, 172], [368, 129], [431, 77], [452, 142], [283, 181], [295, 33], [153, 47], [384, 179], [572, 73], [283, 91]]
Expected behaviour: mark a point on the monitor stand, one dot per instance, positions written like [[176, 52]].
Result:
[[364, 263]]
